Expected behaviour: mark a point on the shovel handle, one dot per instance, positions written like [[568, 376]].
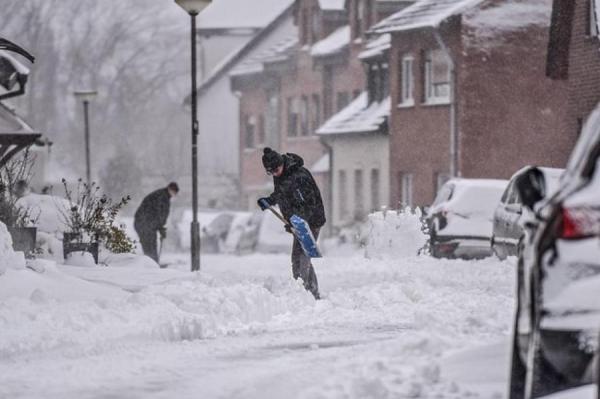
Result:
[[279, 216]]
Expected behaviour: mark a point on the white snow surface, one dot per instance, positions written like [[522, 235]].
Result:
[[490, 24], [332, 44], [358, 117], [242, 328], [332, 5]]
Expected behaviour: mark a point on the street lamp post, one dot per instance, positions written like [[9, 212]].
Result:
[[193, 8], [86, 96]]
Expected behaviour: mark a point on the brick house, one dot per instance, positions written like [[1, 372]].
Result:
[[469, 94], [574, 58], [288, 92]]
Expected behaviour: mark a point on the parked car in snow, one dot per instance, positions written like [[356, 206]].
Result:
[[507, 229], [557, 319], [460, 218]]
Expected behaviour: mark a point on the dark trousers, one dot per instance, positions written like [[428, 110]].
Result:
[[148, 240], [303, 268]]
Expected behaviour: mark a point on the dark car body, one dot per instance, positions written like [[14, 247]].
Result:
[[507, 228], [557, 320], [460, 218]]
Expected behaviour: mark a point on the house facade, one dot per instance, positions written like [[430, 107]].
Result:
[[574, 58], [291, 99], [469, 96]]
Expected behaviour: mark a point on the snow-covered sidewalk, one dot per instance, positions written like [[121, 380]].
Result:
[[242, 328]]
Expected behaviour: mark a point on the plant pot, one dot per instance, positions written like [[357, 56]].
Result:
[[23, 238], [72, 243]]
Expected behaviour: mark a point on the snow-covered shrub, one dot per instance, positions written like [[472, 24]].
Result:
[[90, 214], [14, 182], [395, 234]]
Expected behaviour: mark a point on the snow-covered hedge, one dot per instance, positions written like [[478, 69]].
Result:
[[394, 234]]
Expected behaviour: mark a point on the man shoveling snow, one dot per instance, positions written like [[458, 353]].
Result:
[[296, 193]]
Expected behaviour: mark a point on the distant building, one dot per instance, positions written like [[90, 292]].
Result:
[[290, 91], [469, 95], [574, 58]]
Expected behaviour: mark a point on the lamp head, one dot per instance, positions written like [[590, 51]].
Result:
[[85, 95], [193, 7]]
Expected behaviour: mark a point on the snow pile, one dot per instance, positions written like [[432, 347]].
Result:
[[394, 234], [9, 259], [87, 317], [488, 25]]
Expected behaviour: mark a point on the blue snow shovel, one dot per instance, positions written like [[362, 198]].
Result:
[[301, 231]]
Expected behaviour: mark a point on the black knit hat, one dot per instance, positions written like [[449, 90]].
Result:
[[271, 159]]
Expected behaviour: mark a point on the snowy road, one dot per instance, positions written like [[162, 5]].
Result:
[[414, 327]]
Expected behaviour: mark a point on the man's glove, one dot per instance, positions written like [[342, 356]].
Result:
[[263, 203], [288, 228], [162, 231]]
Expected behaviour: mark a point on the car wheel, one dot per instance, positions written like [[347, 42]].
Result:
[[541, 379]]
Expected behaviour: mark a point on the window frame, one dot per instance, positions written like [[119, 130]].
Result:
[[407, 81], [430, 87]]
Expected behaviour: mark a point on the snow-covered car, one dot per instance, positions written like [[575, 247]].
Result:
[[557, 320], [460, 218], [507, 228]]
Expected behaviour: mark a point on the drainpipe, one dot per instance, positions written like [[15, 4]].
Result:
[[329, 231], [454, 139]]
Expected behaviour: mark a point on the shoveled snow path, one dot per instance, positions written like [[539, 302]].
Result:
[[241, 329]]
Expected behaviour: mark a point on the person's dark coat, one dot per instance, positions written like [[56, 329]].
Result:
[[296, 192], [153, 212]]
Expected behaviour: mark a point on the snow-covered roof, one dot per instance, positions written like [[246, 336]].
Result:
[[358, 117], [322, 165], [22, 69], [376, 47], [422, 14], [490, 23], [241, 14], [332, 5], [332, 44], [11, 123], [255, 64]]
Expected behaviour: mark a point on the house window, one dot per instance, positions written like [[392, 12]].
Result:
[[592, 29], [375, 188], [407, 81], [304, 116], [343, 194], [250, 131], [316, 111], [372, 81], [437, 77], [342, 100], [406, 186], [292, 119], [384, 79], [359, 200]]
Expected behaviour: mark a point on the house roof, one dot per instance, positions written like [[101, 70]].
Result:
[[225, 66], [376, 47], [423, 14], [241, 14], [333, 44], [15, 134], [357, 117], [279, 52], [332, 5], [322, 165]]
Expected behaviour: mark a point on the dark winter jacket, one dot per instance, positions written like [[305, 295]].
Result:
[[296, 192], [153, 211]]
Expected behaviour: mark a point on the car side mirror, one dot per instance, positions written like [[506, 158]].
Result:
[[531, 187]]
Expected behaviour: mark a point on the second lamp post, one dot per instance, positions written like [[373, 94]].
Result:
[[86, 96]]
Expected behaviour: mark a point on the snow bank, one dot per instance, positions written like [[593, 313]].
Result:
[[42, 312], [47, 210], [394, 234]]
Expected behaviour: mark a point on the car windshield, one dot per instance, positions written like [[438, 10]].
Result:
[[445, 194]]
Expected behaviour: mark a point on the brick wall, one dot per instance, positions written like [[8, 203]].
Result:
[[584, 70]]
